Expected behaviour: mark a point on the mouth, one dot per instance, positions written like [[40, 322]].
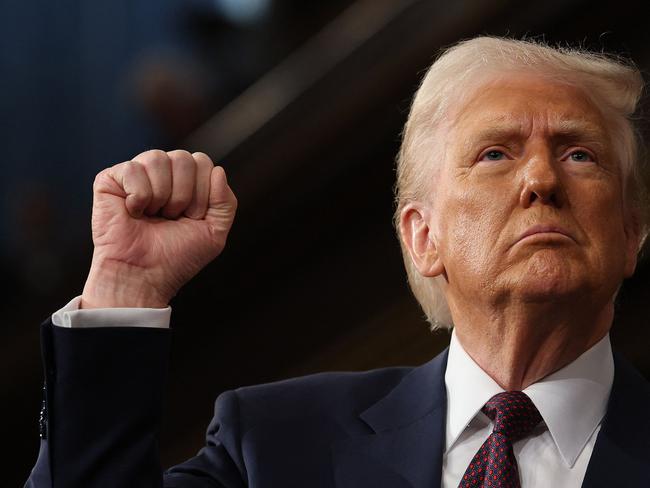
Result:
[[545, 234]]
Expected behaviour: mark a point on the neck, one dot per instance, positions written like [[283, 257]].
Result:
[[522, 343]]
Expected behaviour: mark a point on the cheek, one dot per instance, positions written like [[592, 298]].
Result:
[[471, 231], [603, 222], [602, 218]]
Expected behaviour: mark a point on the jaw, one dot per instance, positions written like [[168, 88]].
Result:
[[555, 274], [547, 275]]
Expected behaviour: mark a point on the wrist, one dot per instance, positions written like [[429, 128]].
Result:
[[111, 285]]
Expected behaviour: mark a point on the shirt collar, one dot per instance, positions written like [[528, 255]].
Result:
[[572, 401]]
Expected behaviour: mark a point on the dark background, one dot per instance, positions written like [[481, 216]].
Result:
[[302, 103]]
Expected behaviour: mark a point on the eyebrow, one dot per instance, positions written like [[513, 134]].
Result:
[[577, 129]]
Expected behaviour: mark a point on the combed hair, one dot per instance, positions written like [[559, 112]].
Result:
[[614, 84]]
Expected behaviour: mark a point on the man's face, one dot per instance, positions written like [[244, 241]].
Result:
[[528, 203]]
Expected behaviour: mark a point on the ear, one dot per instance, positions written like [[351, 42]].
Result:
[[419, 241], [632, 241]]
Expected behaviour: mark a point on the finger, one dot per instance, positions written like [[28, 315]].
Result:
[[199, 204], [132, 178], [158, 167], [183, 181]]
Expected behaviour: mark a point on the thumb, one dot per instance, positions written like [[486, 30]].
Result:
[[222, 203]]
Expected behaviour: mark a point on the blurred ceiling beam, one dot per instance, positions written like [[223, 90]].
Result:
[[282, 85]]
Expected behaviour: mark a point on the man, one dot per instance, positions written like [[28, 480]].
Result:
[[520, 212]]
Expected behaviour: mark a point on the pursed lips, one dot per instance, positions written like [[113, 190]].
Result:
[[544, 229]]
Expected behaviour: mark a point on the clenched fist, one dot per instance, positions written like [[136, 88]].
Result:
[[156, 221]]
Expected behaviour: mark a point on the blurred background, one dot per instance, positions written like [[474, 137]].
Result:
[[302, 103]]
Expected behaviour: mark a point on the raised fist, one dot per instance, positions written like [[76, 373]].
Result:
[[156, 222]]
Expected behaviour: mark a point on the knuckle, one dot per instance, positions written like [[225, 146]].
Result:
[[201, 157], [132, 167], [180, 155], [155, 153], [132, 175], [204, 164], [99, 177], [152, 157], [140, 197]]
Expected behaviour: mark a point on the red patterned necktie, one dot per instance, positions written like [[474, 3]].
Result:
[[494, 465]]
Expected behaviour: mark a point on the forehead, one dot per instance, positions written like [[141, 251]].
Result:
[[526, 103]]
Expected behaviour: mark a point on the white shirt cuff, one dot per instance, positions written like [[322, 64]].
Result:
[[73, 317]]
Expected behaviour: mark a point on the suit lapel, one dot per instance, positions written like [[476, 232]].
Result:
[[406, 448], [621, 455]]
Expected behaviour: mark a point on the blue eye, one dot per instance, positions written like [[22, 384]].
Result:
[[580, 156], [493, 155]]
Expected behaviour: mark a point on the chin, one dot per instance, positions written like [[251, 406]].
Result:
[[548, 277]]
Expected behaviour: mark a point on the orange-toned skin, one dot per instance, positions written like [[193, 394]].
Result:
[[527, 223]]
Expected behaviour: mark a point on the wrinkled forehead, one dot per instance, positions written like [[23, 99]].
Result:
[[522, 104]]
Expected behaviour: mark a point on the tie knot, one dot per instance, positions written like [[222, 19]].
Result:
[[513, 413]]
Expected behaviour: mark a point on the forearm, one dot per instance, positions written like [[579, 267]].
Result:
[[157, 220], [104, 390]]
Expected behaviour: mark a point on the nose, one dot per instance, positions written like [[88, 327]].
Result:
[[541, 183]]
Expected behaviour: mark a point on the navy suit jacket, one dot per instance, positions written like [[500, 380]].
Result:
[[379, 429]]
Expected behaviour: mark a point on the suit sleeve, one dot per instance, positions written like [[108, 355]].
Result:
[[101, 419]]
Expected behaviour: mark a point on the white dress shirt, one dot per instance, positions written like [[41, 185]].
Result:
[[571, 401], [72, 316]]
